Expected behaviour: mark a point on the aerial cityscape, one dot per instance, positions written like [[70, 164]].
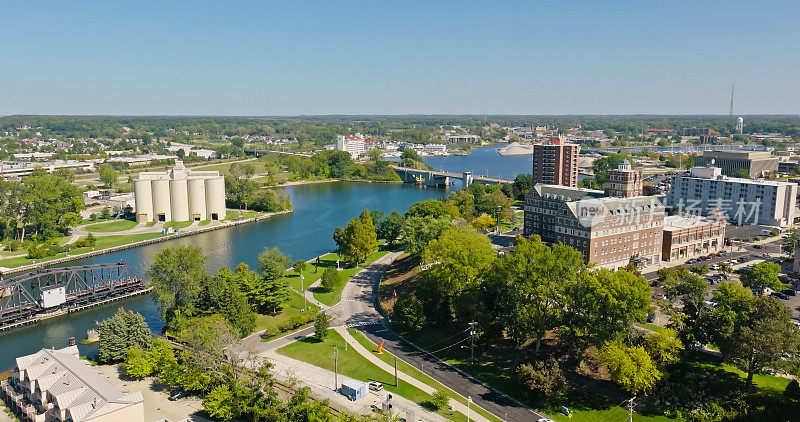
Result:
[[345, 212]]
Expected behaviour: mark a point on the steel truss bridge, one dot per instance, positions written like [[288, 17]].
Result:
[[59, 290]]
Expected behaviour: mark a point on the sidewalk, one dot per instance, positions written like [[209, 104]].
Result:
[[456, 405]]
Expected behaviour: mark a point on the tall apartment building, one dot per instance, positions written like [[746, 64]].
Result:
[[555, 162], [623, 181], [755, 163], [179, 195], [743, 201], [353, 144], [610, 232]]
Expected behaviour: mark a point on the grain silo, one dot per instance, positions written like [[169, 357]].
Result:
[[179, 195]]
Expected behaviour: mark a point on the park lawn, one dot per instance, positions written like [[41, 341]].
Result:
[[499, 374], [650, 326], [353, 365], [290, 309], [111, 226], [331, 298], [177, 225], [151, 223], [770, 384], [406, 368], [102, 242]]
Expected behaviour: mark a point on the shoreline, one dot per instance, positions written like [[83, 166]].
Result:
[[23, 268]]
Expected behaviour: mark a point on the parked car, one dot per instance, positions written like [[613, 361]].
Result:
[[722, 253], [691, 261], [176, 395], [714, 267], [758, 247], [375, 386], [789, 292], [779, 295]]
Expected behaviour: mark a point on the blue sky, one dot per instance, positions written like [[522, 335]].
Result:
[[399, 57]]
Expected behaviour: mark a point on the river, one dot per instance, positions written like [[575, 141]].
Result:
[[303, 234]]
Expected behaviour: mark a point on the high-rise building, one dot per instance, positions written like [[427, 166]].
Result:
[[555, 162], [623, 181], [353, 144], [610, 232]]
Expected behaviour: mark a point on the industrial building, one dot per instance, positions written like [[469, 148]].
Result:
[[179, 195], [743, 201], [56, 385], [755, 163]]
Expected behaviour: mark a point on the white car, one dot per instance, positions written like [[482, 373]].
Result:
[[375, 386], [545, 420]]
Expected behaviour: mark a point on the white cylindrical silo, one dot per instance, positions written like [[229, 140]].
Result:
[[197, 199], [215, 198], [179, 199], [143, 200], [161, 200]]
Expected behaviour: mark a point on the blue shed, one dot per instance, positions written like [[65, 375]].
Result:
[[353, 389]]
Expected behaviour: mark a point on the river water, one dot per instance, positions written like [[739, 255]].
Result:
[[303, 234]]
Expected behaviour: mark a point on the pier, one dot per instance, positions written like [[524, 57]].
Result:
[[52, 292]]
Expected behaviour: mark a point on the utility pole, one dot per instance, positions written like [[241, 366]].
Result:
[[469, 400], [630, 409], [335, 368], [303, 292], [472, 342], [396, 384]]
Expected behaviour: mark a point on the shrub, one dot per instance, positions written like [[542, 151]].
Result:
[[321, 325], [330, 278], [439, 400], [409, 311]]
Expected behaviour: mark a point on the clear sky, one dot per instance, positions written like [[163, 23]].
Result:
[[399, 57]]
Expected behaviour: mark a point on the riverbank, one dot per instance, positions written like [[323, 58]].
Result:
[[21, 266]]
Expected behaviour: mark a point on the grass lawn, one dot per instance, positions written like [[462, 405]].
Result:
[[651, 327], [204, 223], [103, 242], [353, 365], [178, 224], [402, 366], [111, 226], [290, 309], [766, 382], [333, 297]]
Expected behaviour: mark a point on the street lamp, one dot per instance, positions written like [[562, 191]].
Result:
[[303, 292]]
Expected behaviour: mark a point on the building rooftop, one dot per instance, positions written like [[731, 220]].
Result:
[[680, 222], [745, 155]]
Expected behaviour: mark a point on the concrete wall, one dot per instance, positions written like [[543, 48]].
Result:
[[143, 197]]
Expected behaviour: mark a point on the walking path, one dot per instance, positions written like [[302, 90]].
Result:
[[309, 294], [454, 404]]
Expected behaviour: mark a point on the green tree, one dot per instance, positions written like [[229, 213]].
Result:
[[43, 199], [273, 291], [752, 332], [299, 266], [484, 222], [358, 240], [222, 294], [176, 276], [456, 259], [792, 241], [123, 330], [137, 364], [663, 346], [686, 294], [418, 231], [108, 175], [742, 173], [221, 403], [321, 325], [530, 299], [432, 208], [630, 367], [206, 339], [389, 229], [409, 311], [523, 183], [543, 381], [330, 278], [763, 275], [440, 399], [603, 305]]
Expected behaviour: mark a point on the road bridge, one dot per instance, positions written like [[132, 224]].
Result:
[[442, 178], [260, 152], [51, 292]]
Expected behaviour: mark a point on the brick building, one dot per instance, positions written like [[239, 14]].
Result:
[[555, 162], [689, 236], [624, 181], [610, 232]]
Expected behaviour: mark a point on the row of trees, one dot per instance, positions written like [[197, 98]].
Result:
[[244, 192]]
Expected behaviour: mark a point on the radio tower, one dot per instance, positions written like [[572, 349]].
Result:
[[730, 112]]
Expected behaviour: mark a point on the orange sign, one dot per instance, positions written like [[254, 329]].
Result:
[[380, 347]]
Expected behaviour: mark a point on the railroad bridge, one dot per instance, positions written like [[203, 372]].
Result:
[[50, 292], [442, 178]]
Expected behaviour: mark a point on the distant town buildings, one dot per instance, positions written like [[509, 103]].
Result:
[[610, 232], [352, 144], [623, 181], [755, 163], [743, 201], [460, 139], [689, 236], [695, 131], [179, 195], [555, 162], [56, 385]]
